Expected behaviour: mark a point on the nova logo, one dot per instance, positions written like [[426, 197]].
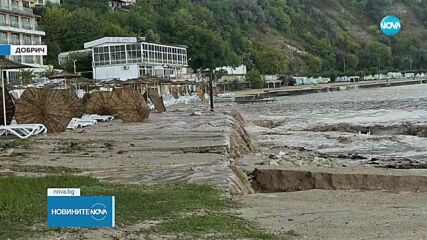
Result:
[[390, 26], [98, 212]]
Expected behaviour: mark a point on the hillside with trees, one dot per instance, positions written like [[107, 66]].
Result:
[[299, 37]]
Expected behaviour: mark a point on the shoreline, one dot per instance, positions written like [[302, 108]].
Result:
[[329, 87]]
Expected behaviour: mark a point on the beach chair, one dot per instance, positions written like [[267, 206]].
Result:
[[34, 129], [80, 123], [99, 118], [23, 131]]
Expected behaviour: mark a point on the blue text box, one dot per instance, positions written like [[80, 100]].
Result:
[[87, 212], [5, 50]]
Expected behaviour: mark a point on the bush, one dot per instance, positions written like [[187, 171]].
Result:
[[256, 80]]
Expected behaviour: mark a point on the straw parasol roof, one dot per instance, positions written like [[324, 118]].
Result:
[[130, 104], [99, 103], [157, 100], [50, 107], [6, 64], [64, 75], [81, 80]]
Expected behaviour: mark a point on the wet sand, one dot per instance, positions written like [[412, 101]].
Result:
[[327, 133], [337, 215]]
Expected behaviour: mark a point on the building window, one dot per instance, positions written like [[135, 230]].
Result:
[[16, 58], [15, 39], [101, 56], [146, 70], [27, 40], [28, 59], [134, 53], [37, 40], [3, 20], [14, 21], [15, 5], [3, 38], [26, 23], [118, 54]]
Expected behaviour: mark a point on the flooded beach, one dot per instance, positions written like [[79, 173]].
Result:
[[384, 127], [325, 163]]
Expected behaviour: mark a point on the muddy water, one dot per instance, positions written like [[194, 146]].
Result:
[[384, 127]]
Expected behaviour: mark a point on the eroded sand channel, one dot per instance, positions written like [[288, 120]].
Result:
[[313, 137]]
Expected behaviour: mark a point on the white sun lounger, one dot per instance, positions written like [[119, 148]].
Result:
[[34, 129], [79, 123], [23, 131], [96, 117]]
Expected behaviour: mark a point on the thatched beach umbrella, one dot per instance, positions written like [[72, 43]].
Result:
[[64, 75], [50, 107], [99, 103], [6, 64], [130, 105], [76, 105], [157, 100]]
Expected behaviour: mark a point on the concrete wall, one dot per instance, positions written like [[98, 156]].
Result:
[[116, 72]]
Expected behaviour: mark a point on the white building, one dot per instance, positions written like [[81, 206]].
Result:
[[18, 26], [121, 4], [43, 2], [129, 58], [240, 70]]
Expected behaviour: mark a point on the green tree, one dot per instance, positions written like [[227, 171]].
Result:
[[327, 53], [259, 33], [54, 22], [48, 73], [270, 61], [255, 78], [26, 76], [314, 64], [380, 55], [81, 26]]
